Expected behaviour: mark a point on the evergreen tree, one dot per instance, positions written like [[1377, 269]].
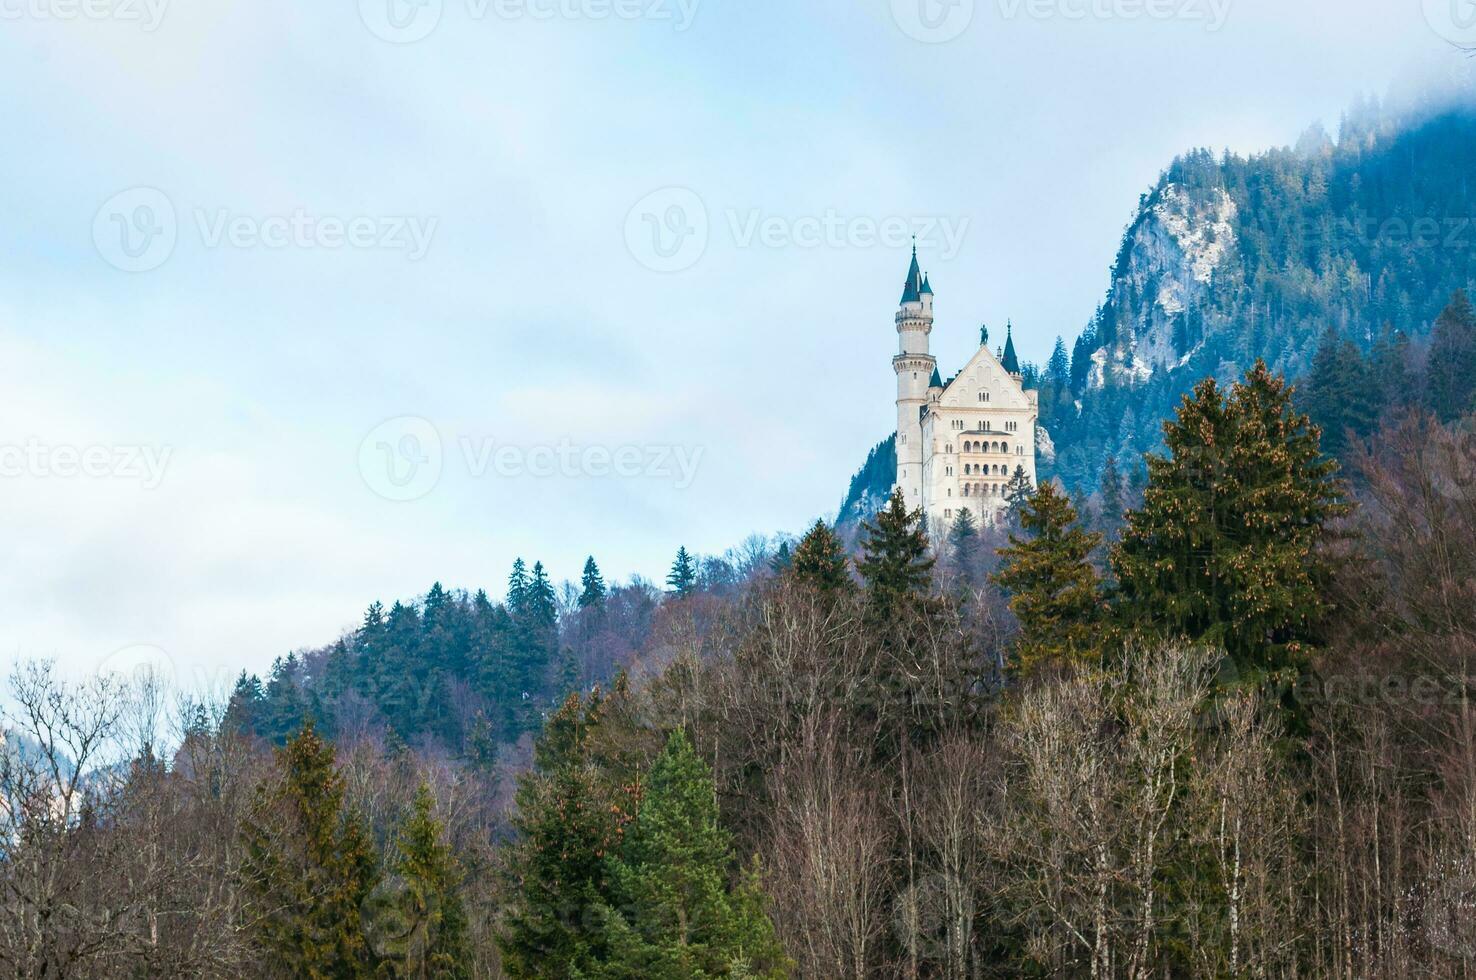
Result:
[[782, 558], [1339, 394], [1112, 500], [1450, 379], [517, 588], [1017, 493], [309, 866], [571, 813], [895, 562], [682, 579], [1398, 385], [243, 714], [287, 703], [1054, 590], [677, 915], [592, 585], [422, 926], [542, 601], [820, 561], [963, 543], [1226, 545]]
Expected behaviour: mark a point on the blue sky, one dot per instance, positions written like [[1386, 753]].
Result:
[[300, 308]]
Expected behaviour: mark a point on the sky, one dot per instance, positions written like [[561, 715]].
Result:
[[304, 305]]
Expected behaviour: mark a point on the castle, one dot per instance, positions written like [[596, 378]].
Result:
[[958, 442]]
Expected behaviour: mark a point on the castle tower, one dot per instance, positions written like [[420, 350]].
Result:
[[916, 369]]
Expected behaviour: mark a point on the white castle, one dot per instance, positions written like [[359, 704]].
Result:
[[958, 442]]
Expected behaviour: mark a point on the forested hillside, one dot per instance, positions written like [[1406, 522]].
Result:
[[1228, 733]]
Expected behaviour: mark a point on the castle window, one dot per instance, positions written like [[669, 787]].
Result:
[[1004, 447], [983, 396], [947, 513]]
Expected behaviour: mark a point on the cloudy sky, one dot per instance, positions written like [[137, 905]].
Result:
[[308, 304]]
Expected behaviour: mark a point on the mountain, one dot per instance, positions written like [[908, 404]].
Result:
[[1231, 258], [1237, 258]]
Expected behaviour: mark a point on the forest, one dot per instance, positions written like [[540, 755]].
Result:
[[1213, 719]]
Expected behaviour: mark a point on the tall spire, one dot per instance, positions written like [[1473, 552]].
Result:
[[1010, 362], [912, 290]]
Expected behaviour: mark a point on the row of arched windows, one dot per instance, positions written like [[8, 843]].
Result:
[[986, 447], [982, 489], [986, 469]]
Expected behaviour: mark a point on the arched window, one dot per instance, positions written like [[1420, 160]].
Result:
[[1004, 447]]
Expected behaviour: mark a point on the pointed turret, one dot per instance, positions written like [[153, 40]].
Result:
[[912, 290], [1010, 362], [937, 381], [927, 288]]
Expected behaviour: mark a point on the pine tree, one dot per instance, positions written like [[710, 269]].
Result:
[[895, 562], [1226, 545], [820, 561], [1054, 591], [517, 588], [571, 813], [309, 866], [677, 915], [963, 544], [1017, 493], [421, 927], [1339, 394], [1110, 519], [542, 601], [243, 714], [782, 558], [682, 579], [592, 585], [1450, 378]]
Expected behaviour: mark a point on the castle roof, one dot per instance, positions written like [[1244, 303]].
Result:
[[1009, 361], [937, 381], [927, 289], [912, 289]]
